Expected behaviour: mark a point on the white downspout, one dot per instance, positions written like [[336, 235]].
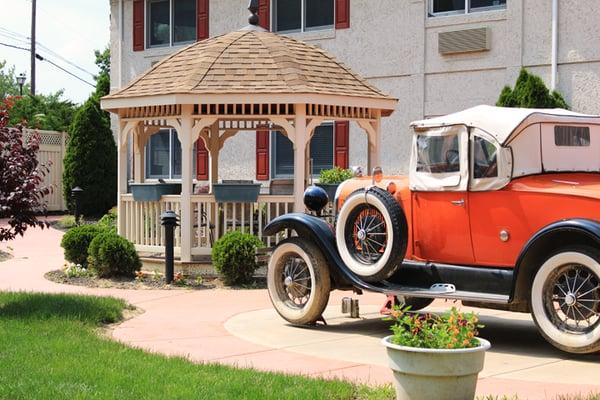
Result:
[[554, 45]]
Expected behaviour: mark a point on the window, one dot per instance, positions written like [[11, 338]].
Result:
[[485, 163], [171, 22], [321, 152], [163, 155], [571, 135], [438, 154], [447, 7], [302, 15]]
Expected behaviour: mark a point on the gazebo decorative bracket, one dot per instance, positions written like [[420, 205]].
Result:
[[370, 128], [126, 129], [286, 125], [310, 127]]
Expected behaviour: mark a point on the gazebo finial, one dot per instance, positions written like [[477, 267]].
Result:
[[253, 7]]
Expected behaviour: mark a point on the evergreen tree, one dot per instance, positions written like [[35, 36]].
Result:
[[530, 92], [91, 157]]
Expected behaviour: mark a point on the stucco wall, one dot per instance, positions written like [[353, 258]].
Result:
[[394, 45]]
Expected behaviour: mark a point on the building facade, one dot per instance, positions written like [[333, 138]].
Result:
[[435, 56]]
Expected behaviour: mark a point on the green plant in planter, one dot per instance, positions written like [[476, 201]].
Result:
[[233, 256], [109, 220], [334, 176], [111, 254], [454, 330]]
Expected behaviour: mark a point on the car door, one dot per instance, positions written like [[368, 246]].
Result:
[[440, 201]]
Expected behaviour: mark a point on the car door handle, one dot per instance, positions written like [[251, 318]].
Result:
[[460, 203]]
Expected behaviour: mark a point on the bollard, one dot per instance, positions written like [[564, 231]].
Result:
[[76, 194], [169, 221]]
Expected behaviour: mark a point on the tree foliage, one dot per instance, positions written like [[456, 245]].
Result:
[[91, 157], [8, 82], [530, 92], [21, 179]]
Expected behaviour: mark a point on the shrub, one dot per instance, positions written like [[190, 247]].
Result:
[[111, 255], [91, 160], [109, 220], [77, 241], [234, 257], [334, 176], [530, 91]]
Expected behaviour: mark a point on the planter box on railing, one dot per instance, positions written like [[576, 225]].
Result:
[[229, 192], [153, 191]]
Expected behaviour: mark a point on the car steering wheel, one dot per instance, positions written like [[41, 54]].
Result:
[[452, 157]]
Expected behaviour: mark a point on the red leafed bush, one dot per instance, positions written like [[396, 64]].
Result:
[[21, 179]]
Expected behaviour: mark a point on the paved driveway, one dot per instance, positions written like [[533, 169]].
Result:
[[238, 327]]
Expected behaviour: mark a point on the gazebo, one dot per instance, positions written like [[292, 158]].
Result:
[[245, 80]]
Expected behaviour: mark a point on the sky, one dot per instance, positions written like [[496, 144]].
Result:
[[71, 29]]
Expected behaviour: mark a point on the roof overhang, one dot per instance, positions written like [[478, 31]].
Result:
[[114, 104]]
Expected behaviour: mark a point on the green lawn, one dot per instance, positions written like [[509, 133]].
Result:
[[50, 349]]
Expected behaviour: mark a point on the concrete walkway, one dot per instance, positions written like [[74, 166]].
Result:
[[239, 327]]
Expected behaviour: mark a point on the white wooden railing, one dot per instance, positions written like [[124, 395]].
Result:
[[211, 220]]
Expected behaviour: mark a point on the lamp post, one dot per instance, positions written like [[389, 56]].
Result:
[[21, 81], [76, 193]]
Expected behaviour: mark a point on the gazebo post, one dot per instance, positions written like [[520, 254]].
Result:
[[214, 148], [124, 129], [299, 156], [186, 217], [139, 143]]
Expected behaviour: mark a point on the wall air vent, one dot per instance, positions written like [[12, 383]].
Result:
[[464, 41]]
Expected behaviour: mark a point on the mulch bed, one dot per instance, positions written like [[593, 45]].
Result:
[[148, 282]]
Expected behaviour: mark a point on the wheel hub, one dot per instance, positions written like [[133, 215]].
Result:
[[361, 235], [570, 299], [288, 281]]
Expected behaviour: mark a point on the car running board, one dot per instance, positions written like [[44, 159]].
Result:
[[441, 291]]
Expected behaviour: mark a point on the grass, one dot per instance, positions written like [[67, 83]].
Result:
[[50, 348]]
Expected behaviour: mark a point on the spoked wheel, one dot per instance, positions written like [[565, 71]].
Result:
[[565, 300], [298, 281], [371, 234]]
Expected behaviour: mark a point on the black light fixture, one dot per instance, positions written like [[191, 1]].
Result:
[[21, 81]]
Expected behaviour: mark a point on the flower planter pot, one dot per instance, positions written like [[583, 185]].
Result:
[[153, 191], [443, 374], [330, 188], [236, 192]]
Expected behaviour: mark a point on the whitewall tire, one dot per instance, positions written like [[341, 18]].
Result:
[[298, 281], [371, 234], [565, 300]]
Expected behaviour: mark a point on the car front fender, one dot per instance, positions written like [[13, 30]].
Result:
[[322, 235]]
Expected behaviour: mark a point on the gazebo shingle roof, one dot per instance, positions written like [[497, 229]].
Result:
[[250, 61]]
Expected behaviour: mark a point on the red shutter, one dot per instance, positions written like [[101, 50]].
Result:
[[341, 143], [262, 155], [342, 14], [201, 160], [264, 14], [201, 19], [138, 25]]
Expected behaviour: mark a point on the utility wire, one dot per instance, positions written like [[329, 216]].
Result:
[[39, 57]]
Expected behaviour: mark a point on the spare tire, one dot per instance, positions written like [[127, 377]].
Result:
[[372, 234]]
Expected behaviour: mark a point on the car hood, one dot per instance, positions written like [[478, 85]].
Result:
[[582, 185]]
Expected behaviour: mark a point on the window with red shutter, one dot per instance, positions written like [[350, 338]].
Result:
[[342, 14], [202, 19], [201, 160], [138, 25], [341, 144], [264, 14], [262, 155]]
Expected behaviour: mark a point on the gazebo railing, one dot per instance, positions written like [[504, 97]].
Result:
[[211, 220]]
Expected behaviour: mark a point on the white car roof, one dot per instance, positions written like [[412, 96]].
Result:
[[503, 122]]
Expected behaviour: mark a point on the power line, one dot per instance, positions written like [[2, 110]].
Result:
[[39, 57]]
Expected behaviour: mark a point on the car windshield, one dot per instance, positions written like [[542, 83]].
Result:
[[438, 154]]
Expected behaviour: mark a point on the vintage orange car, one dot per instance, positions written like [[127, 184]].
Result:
[[501, 209]]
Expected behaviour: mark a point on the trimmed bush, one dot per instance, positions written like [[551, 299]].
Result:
[[77, 241], [112, 255], [234, 257], [334, 176]]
